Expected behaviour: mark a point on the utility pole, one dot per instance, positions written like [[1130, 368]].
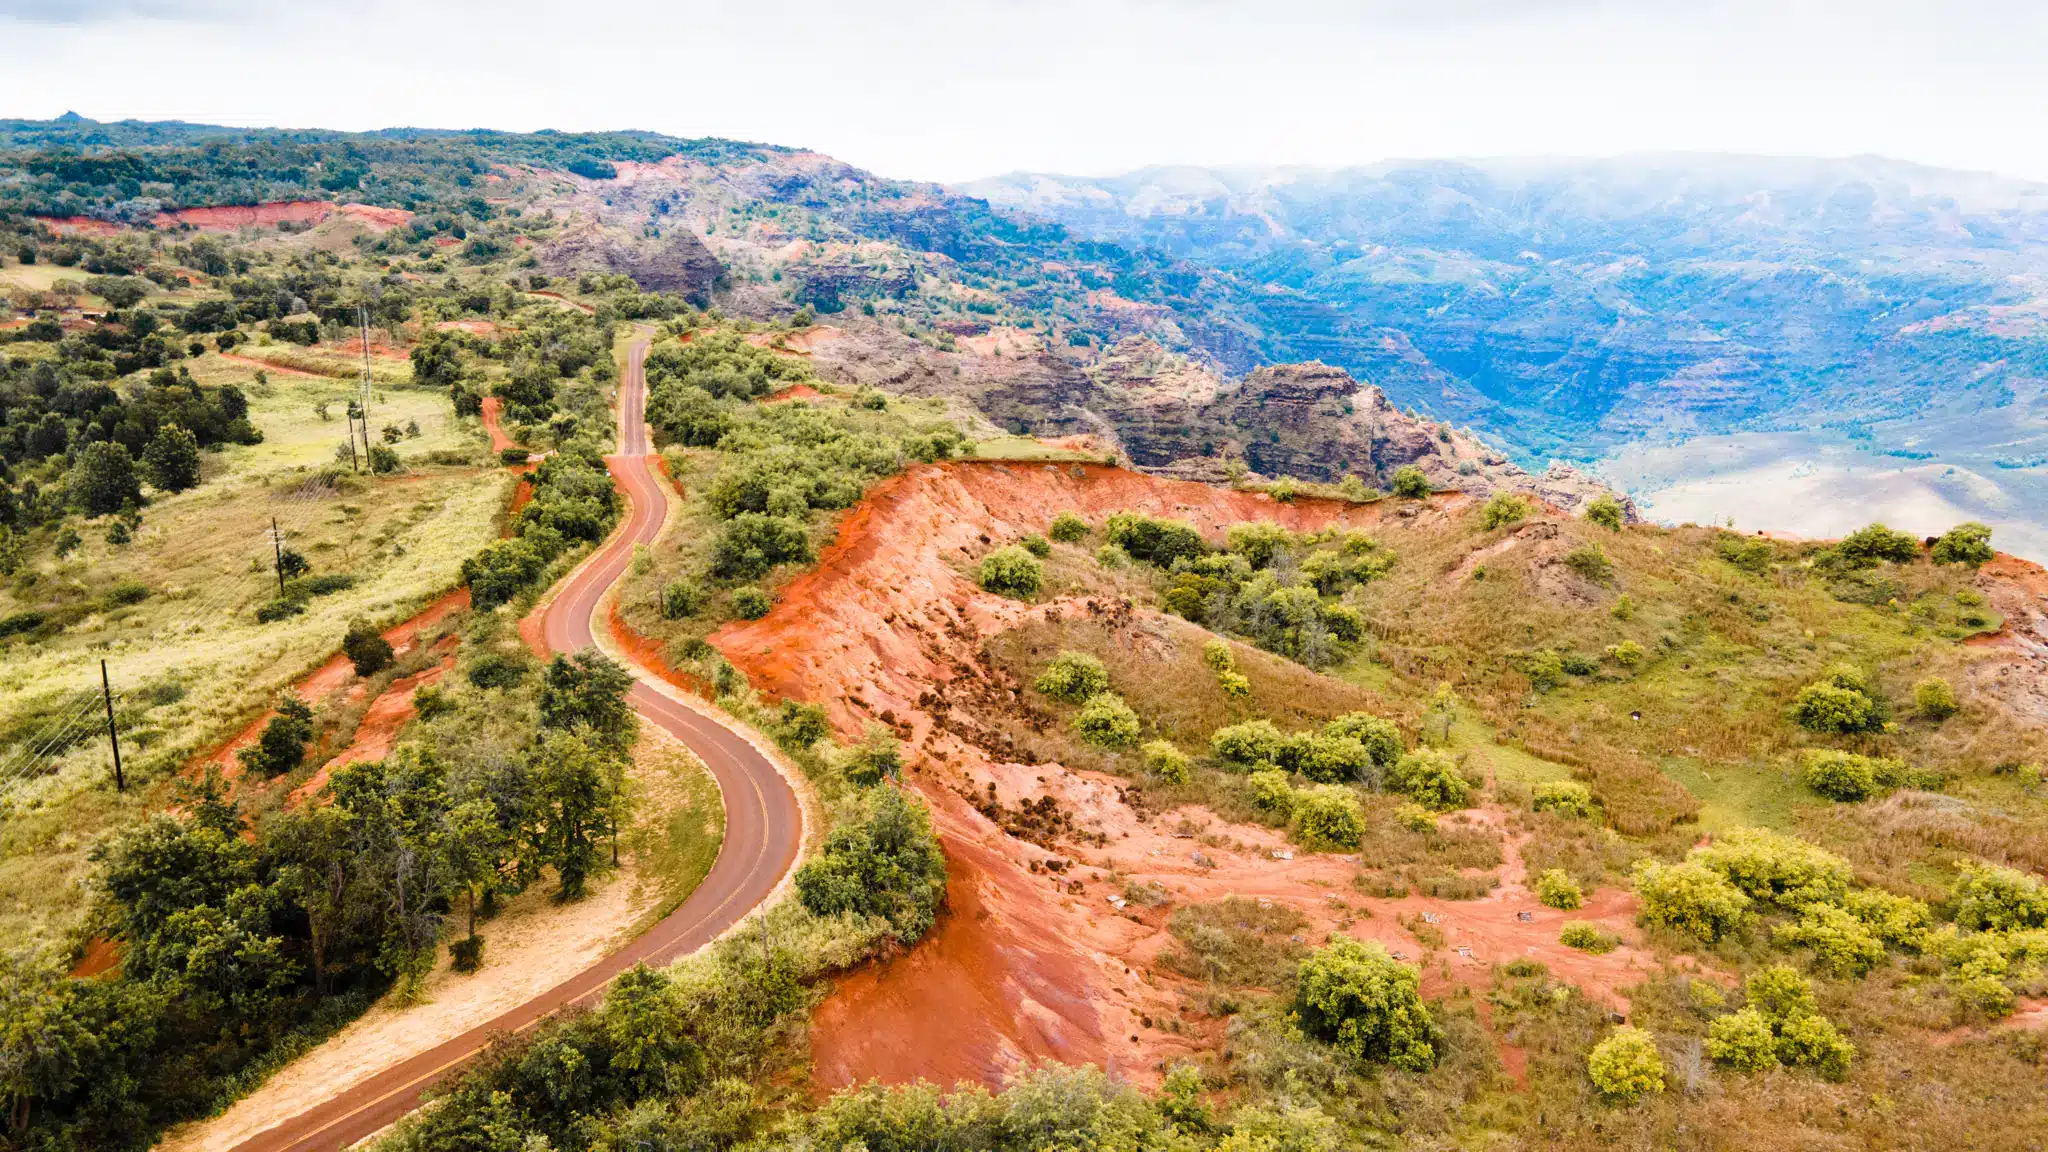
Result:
[[277, 549], [113, 737], [363, 319]]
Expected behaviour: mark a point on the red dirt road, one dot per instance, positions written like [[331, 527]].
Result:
[[763, 826]]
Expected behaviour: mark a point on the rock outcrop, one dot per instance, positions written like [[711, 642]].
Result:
[[676, 261]]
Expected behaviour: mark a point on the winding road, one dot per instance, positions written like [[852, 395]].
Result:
[[763, 820]]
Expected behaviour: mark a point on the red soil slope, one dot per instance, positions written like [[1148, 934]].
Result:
[[1033, 959], [231, 217]]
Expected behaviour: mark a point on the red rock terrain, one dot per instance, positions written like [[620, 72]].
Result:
[[1033, 959]]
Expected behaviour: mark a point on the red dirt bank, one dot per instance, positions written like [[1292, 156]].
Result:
[[1032, 963]]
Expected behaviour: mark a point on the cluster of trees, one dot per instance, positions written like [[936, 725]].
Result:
[[1277, 588], [233, 943], [574, 503]]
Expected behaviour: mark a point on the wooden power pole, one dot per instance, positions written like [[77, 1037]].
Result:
[[113, 737]]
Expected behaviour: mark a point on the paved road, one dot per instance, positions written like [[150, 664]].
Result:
[[762, 825]]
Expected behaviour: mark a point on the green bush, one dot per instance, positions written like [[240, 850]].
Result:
[[1107, 722], [1073, 677], [496, 670], [1625, 1065], [1164, 760], [1068, 528], [1327, 818], [1586, 937], [750, 543], [366, 648], [282, 746], [1430, 777], [1382, 738], [1967, 543], [124, 592], [1011, 572], [1994, 898], [1158, 542], [1814, 1042], [750, 603], [1628, 653], [1414, 817], [1271, 792], [1743, 1041], [1867, 546], [1842, 701], [1780, 993], [1844, 776], [1410, 483], [1038, 546], [1564, 797], [1502, 510], [383, 460], [1841, 943], [1935, 698], [680, 599], [1605, 511], [1252, 743], [1774, 868], [1899, 921], [1336, 759], [1366, 1004], [497, 574], [1590, 561], [878, 757], [884, 863], [466, 953], [1556, 889], [1691, 898], [1111, 556]]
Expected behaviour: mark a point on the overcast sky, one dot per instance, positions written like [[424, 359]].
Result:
[[955, 89]]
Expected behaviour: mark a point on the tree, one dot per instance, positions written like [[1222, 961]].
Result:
[[572, 799], [172, 459], [884, 863], [1107, 722], [501, 571], [1867, 546], [282, 746], [475, 846], [104, 480], [1968, 543], [1011, 571], [1367, 1004], [1409, 483], [1073, 677], [1605, 511], [1625, 1065], [1690, 897], [588, 690], [366, 648], [751, 543], [120, 292]]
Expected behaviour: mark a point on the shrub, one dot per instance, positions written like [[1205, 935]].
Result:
[[1011, 572], [1430, 777], [1867, 546], [123, 592], [366, 649], [1073, 677], [1158, 542], [1366, 1004], [171, 461], [513, 455], [1691, 898], [1253, 742], [1544, 668], [383, 460], [750, 603], [1038, 546], [1776, 869], [680, 599], [1166, 762], [1586, 937], [498, 573], [1336, 759], [1068, 528], [1564, 797], [878, 757], [1845, 776], [1841, 701], [1841, 943], [1414, 817], [1780, 993], [1107, 722], [1605, 511], [1259, 542], [751, 543], [1967, 543], [1743, 1041], [1327, 818], [884, 863], [1625, 1066], [1934, 698], [466, 953], [1409, 482], [282, 746], [1234, 684], [1814, 1042], [1271, 792], [1628, 653], [497, 670], [1502, 510], [1556, 889], [1995, 898], [1216, 654], [1590, 561], [1900, 921], [1382, 738]]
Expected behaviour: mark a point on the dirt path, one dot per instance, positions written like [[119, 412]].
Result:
[[764, 829]]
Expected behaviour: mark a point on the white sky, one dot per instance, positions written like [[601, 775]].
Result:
[[955, 90]]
